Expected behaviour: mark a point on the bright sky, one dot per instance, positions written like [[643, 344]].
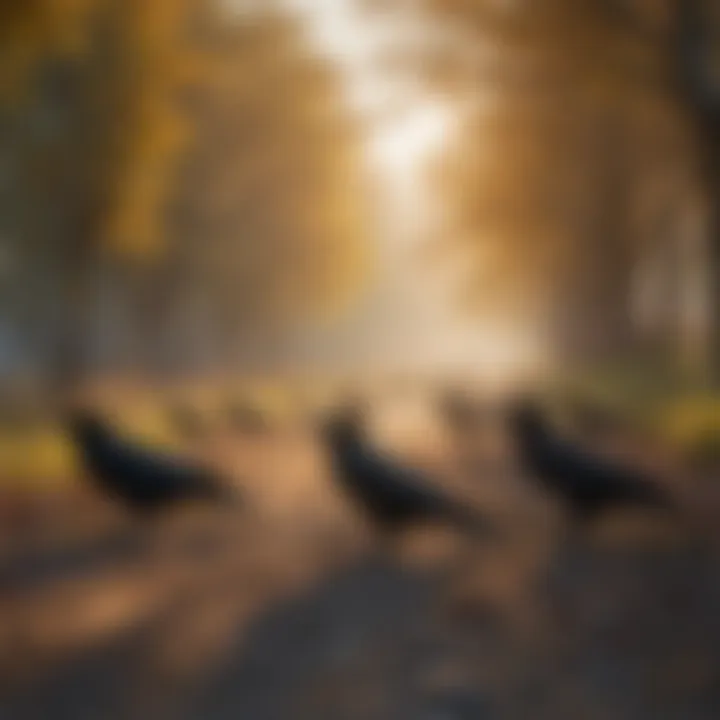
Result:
[[407, 126]]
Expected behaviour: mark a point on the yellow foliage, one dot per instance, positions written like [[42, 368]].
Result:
[[135, 57], [577, 115], [226, 147], [276, 178], [690, 421], [43, 457], [153, 66]]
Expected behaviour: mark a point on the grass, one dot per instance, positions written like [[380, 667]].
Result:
[[678, 411], [674, 410], [692, 424], [39, 455]]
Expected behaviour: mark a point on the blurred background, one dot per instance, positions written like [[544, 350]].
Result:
[[213, 208]]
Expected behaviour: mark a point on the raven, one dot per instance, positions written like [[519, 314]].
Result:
[[587, 483], [142, 479], [392, 496]]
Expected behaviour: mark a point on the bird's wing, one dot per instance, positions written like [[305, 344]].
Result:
[[599, 476], [403, 485], [411, 488], [166, 472]]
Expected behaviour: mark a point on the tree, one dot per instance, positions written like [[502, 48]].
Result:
[[102, 170], [270, 214], [177, 179], [574, 112], [697, 44]]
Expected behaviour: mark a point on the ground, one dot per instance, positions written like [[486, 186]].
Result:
[[290, 607]]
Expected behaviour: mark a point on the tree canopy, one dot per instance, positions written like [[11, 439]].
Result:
[[162, 153], [581, 159]]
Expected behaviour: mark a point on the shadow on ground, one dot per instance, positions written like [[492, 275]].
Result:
[[290, 611]]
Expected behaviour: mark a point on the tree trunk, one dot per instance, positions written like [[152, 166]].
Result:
[[76, 317], [599, 263], [595, 324], [714, 249], [696, 41]]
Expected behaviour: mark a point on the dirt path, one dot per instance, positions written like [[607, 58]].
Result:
[[268, 619]]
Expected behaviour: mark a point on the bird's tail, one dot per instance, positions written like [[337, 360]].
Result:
[[223, 493]]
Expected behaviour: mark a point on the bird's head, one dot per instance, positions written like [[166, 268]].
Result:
[[343, 425], [85, 426], [527, 420]]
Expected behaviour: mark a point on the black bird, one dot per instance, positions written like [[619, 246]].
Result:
[[393, 496], [142, 479], [587, 483]]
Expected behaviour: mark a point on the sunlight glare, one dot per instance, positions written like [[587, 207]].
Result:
[[406, 141]]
